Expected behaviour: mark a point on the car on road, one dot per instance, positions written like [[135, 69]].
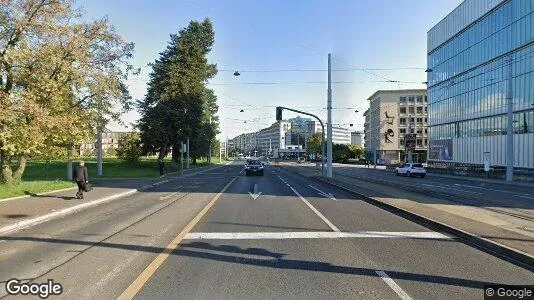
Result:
[[253, 166], [301, 159], [411, 169]]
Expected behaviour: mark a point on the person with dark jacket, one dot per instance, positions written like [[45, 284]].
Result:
[[161, 166], [81, 177]]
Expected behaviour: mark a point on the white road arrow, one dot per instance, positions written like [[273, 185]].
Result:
[[256, 194], [329, 195]]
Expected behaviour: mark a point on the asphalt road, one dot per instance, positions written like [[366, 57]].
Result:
[[276, 236]]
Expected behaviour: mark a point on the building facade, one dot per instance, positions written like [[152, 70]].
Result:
[[471, 54], [109, 140], [356, 138], [391, 115], [339, 135]]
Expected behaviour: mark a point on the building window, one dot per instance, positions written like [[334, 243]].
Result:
[[419, 142], [403, 110], [403, 121], [419, 99], [426, 142], [419, 131], [426, 110], [412, 120], [426, 120], [419, 120], [419, 110], [411, 99], [426, 130], [402, 100], [411, 110], [402, 130], [426, 99]]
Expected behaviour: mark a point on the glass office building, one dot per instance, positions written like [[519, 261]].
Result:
[[470, 53]]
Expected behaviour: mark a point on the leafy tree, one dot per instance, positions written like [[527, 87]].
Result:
[[314, 144], [340, 152], [111, 151], [178, 105], [130, 148], [355, 151], [57, 73]]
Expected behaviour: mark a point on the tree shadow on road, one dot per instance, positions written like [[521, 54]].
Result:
[[233, 254]]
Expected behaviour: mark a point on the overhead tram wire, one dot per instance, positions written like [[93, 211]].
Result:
[[320, 70]]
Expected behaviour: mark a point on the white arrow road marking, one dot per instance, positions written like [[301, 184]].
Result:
[[256, 194], [329, 195]]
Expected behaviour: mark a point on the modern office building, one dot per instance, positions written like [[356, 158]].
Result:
[[473, 53], [339, 135], [285, 138], [356, 138], [391, 115]]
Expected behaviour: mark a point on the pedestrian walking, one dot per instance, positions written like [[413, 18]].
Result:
[[161, 166], [81, 176]]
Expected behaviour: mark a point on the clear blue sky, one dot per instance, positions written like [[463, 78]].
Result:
[[281, 35]]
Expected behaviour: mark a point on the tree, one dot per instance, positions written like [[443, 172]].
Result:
[[355, 151], [130, 148], [111, 151], [178, 105], [57, 74], [340, 152], [314, 144]]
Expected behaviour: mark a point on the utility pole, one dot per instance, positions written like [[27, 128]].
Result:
[[99, 129], [298, 145], [329, 119], [188, 149], [510, 127], [410, 157], [182, 156], [209, 151]]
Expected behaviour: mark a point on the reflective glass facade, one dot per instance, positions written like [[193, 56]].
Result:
[[468, 71]]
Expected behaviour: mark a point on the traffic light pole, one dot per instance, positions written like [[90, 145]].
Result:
[[279, 118]]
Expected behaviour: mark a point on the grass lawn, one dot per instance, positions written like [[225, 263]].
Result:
[[41, 176], [37, 186]]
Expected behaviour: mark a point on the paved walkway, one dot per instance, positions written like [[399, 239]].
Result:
[[508, 230], [22, 209]]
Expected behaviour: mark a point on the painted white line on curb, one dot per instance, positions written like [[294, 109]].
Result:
[[311, 235], [318, 213], [395, 287]]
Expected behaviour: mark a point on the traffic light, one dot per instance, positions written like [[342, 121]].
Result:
[[278, 113]]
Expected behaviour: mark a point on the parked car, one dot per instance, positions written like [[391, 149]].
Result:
[[410, 169], [301, 159], [254, 166]]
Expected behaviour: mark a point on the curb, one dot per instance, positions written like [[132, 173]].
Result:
[[62, 212], [511, 255]]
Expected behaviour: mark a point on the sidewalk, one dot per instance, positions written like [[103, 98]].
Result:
[[18, 212], [478, 222]]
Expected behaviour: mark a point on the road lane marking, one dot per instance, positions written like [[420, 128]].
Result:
[[508, 192], [169, 196], [395, 287], [311, 235], [448, 188], [318, 213], [329, 195], [142, 279]]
